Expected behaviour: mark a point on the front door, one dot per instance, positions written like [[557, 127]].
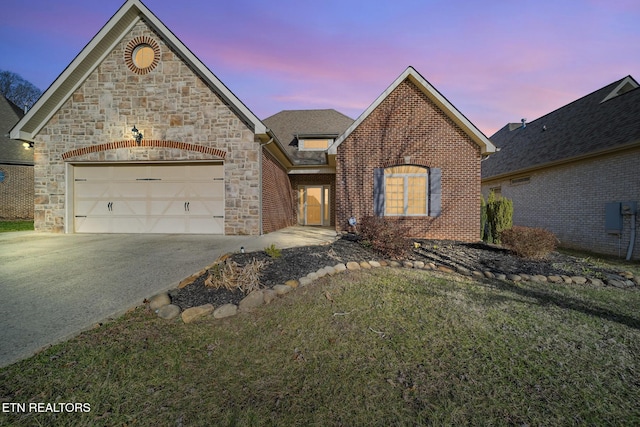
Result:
[[313, 206]]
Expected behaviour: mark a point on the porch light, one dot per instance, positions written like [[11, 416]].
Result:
[[27, 145], [137, 135]]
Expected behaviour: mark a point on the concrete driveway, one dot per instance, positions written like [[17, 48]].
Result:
[[53, 286]]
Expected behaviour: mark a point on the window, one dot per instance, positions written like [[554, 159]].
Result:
[[314, 144], [406, 190], [2, 175], [143, 56]]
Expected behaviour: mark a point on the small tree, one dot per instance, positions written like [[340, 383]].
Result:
[[499, 216]]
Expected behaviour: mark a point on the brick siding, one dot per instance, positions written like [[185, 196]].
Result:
[[169, 103], [570, 199], [278, 207], [16, 192], [408, 123]]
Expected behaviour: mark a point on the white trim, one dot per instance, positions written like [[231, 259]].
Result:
[[615, 92], [452, 112]]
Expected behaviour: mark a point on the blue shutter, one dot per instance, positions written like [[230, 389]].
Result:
[[435, 191], [378, 192]]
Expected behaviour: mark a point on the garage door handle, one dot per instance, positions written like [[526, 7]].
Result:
[[110, 206], [186, 206]]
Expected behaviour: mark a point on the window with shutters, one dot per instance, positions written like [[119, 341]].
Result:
[[406, 190]]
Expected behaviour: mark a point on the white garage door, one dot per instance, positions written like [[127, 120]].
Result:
[[149, 199]]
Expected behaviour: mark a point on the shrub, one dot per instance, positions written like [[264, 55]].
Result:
[[527, 242], [231, 276], [388, 237], [483, 220], [273, 252], [499, 216]]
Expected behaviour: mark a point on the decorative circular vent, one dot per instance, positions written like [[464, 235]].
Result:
[[142, 54]]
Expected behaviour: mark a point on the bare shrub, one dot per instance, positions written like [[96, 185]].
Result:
[[528, 242], [387, 237], [231, 276]]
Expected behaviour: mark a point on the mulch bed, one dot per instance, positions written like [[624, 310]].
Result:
[[298, 262]]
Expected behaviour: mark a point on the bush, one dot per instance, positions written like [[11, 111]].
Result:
[[499, 216], [231, 276], [388, 237], [527, 242]]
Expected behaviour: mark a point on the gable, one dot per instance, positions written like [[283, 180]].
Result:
[[131, 14], [412, 76]]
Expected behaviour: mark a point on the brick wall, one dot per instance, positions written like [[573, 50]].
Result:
[[278, 207], [569, 200], [319, 179], [407, 123], [16, 192], [169, 103]]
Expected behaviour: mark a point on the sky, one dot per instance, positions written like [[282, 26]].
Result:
[[497, 61]]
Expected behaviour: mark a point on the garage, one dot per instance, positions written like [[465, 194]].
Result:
[[149, 198]]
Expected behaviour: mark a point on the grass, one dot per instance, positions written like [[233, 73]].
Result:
[[387, 347], [6, 226]]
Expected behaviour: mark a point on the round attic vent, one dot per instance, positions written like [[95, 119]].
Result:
[[142, 55]]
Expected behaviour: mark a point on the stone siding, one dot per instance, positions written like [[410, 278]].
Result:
[[169, 103], [16, 192], [408, 123], [570, 199]]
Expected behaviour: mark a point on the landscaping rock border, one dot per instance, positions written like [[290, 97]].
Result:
[[161, 303]]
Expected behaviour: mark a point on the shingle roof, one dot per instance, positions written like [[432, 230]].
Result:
[[11, 152], [584, 127], [288, 124]]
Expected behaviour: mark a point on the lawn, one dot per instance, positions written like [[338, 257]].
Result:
[[380, 347], [6, 226]]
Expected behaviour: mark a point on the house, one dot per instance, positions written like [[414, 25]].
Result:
[[573, 171], [137, 135], [16, 168]]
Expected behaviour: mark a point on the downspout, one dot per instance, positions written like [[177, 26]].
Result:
[[260, 183]]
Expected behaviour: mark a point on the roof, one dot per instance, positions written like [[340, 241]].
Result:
[[11, 152], [443, 103], [131, 12], [289, 125], [605, 120]]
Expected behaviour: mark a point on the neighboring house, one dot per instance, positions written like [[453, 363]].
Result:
[[16, 168], [573, 170], [138, 136]]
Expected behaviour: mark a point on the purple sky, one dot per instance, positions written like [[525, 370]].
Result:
[[496, 61]]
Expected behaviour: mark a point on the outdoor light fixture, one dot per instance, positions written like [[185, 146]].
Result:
[[137, 134], [27, 145]]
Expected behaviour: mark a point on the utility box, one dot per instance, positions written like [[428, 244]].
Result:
[[628, 208], [613, 218]]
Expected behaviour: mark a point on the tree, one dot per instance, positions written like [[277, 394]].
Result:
[[17, 90]]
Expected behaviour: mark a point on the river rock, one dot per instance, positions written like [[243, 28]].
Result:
[[159, 300], [226, 310], [251, 301], [282, 289], [168, 312], [194, 313], [352, 265]]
